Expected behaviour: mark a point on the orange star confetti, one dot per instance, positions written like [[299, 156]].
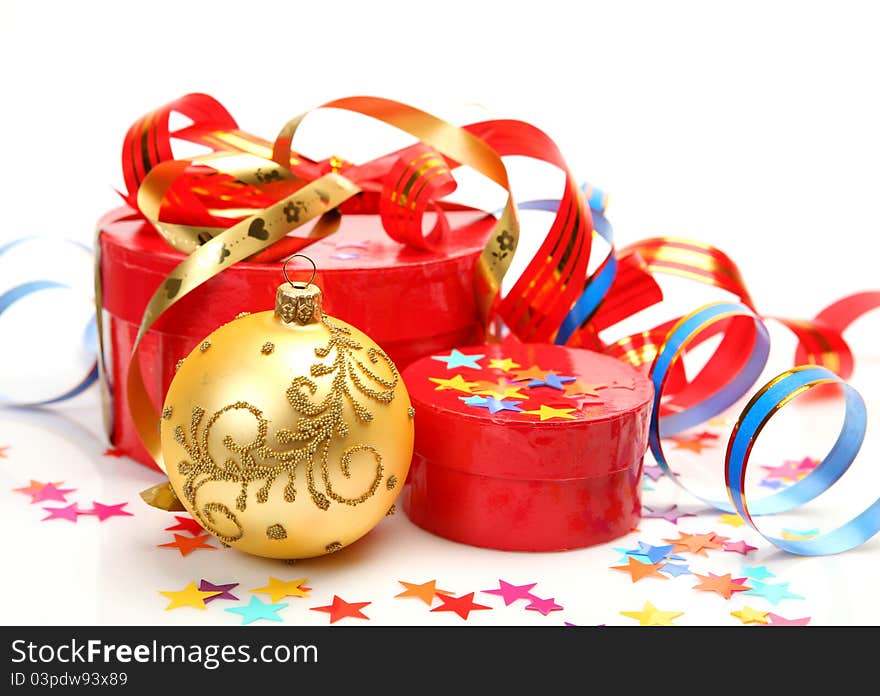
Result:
[[578, 388], [696, 543], [462, 606], [638, 570], [501, 390], [457, 382], [186, 545], [534, 372], [546, 412], [425, 592], [3, 452], [687, 443], [505, 364], [723, 585], [340, 609]]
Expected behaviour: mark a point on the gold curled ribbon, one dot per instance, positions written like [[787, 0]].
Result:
[[234, 244]]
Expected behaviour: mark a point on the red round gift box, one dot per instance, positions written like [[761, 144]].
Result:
[[368, 280], [557, 479]]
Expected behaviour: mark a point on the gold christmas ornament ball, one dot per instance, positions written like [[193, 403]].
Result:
[[287, 434]]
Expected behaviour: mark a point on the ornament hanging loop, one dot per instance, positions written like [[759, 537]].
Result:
[[302, 256]]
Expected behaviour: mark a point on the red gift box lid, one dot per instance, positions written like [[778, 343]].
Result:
[[529, 411]]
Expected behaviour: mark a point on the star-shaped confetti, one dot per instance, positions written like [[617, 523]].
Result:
[[3, 450], [777, 620], [696, 543], [186, 524], [675, 569], [668, 513], [654, 554], [462, 606], [758, 573], [510, 593], [105, 512], [113, 452], [652, 616], [551, 380], [545, 412], [222, 591], [505, 364], [458, 359], [654, 472], [533, 372], [738, 547], [279, 589], [502, 389], [340, 609], [189, 596], [256, 610], [45, 492], [724, 585], [545, 606], [491, 403], [687, 443], [772, 592], [750, 616], [772, 484], [638, 570], [789, 471], [425, 592], [69, 513], [732, 519], [186, 545], [578, 388], [458, 383]]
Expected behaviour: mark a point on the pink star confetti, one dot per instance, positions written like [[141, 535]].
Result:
[[69, 513], [105, 512], [668, 513], [511, 593], [777, 620], [45, 492], [545, 606], [738, 547]]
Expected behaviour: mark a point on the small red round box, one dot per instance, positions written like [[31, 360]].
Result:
[[527, 447]]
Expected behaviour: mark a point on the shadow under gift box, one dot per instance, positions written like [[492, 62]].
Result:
[[512, 481], [410, 301]]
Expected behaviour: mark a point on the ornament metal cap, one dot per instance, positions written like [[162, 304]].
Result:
[[298, 303]]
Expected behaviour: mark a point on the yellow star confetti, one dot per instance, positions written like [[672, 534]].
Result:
[[189, 596], [458, 383], [500, 390], [652, 616], [278, 589], [505, 364], [546, 412], [732, 519], [751, 616]]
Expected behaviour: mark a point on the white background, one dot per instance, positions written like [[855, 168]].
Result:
[[751, 126]]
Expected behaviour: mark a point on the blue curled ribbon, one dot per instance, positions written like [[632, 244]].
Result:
[[764, 404], [13, 295]]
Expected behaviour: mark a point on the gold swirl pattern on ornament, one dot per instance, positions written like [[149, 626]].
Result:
[[318, 425]]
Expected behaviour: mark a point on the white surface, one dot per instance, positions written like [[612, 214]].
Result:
[[751, 127]]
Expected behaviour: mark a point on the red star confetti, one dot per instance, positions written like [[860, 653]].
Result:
[[186, 545], [777, 620], [45, 492], [113, 452], [706, 436], [462, 606], [105, 512], [510, 593], [724, 585], [695, 543], [425, 592], [545, 606], [738, 547], [340, 609], [186, 524], [69, 513], [638, 570]]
